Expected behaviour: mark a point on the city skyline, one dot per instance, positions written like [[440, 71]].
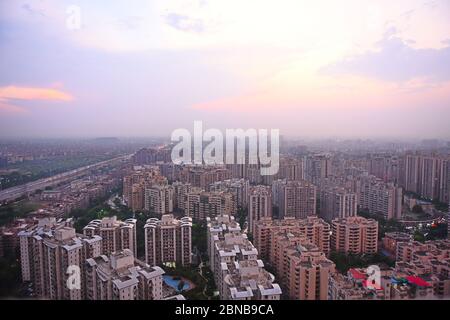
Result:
[[355, 69]]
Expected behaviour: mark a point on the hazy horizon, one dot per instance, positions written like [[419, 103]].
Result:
[[313, 69]]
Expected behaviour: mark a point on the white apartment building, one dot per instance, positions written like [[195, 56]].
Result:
[[122, 277], [168, 240], [116, 235]]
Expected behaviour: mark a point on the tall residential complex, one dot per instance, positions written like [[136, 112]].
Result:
[[200, 205], [259, 205], [318, 167], [137, 182], [297, 251], [49, 253], [116, 235], [159, 199], [428, 176], [354, 235], [294, 198], [180, 192], [302, 268], [237, 187], [337, 203], [430, 261], [309, 272], [313, 228], [238, 272], [291, 168], [386, 167], [357, 284], [122, 277], [202, 176], [378, 197], [168, 240]]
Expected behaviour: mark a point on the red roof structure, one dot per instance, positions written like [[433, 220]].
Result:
[[418, 281], [357, 275]]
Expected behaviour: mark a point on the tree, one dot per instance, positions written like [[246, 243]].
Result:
[[346, 261], [417, 209], [418, 236]]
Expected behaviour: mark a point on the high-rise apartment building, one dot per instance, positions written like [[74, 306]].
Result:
[[386, 167], [137, 198], [381, 198], [136, 183], [52, 252], [122, 277], [238, 272], [159, 199], [296, 249], [168, 240], [259, 205], [428, 261], [239, 189], [314, 229], [116, 235], [309, 272], [392, 285], [203, 177], [356, 235], [444, 181], [200, 205], [180, 192], [291, 169], [337, 203], [294, 198], [318, 167], [428, 176]]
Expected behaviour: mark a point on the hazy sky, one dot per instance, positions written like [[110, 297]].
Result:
[[350, 68]]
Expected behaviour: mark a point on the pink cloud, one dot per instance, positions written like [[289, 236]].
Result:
[[11, 93], [11, 109], [29, 93]]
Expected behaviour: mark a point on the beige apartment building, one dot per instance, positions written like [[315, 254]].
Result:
[[259, 205], [378, 197], [429, 261], [238, 272], [203, 176], [137, 182], [47, 250], [309, 272], [294, 198], [137, 198], [200, 204], [216, 228], [300, 265], [428, 176], [336, 202], [291, 169], [314, 229], [116, 235], [391, 240], [388, 285], [122, 277], [134, 185], [239, 189], [318, 167], [180, 192], [168, 240], [356, 235], [159, 199]]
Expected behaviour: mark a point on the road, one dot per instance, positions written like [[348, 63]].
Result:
[[30, 187]]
